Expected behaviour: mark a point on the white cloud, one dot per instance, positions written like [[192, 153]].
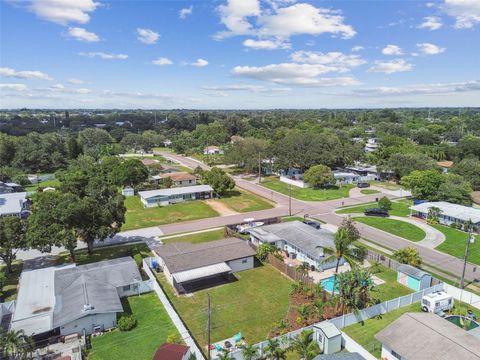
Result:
[[162, 61], [424, 89], [24, 74], [266, 44], [431, 23], [280, 22], [81, 34], [183, 13], [14, 87], [430, 49], [199, 63], [357, 48], [105, 56], [391, 50], [246, 87], [293, 74], [465, 12], [75, 81], [337, 61], [147, 36], [63, 11], [390, 67]]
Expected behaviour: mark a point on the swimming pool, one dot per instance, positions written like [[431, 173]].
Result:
[[463, 322], [327, 284]]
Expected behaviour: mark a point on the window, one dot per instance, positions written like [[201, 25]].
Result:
[[126, 288], [244, 261], [395, 355]]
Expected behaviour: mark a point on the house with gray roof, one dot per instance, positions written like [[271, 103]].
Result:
[[449, 213], [420, 336], [75, 299], [162, 197], [14, 204], [189, 267], [298, 241]]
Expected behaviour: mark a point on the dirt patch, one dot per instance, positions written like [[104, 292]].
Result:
[[220, 207]]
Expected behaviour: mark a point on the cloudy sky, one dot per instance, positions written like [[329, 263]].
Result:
[[239, 54]]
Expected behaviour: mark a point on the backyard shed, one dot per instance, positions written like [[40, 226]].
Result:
[[329, 338], [128, 191], [413, 278]]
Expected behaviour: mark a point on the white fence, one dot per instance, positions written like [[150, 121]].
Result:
[[463, 295], [293, 182]]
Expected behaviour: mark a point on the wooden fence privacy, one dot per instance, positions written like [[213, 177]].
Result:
[[290, 271]]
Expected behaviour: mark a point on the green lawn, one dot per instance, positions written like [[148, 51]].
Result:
[[399, 208], [395, 227], [243, 201], [105, 253], [308, 194], [9, 291], [153, 328], [391, 289], [455, 244], [52, 183], [389, 185], [252, 305], [139, 217], [369, 191], [197, 238]]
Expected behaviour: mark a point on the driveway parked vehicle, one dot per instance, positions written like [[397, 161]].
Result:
[[312, 223], [376, 212], [363, 185]]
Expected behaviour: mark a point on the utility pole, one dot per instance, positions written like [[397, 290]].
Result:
[[209, 326], [470, 240]]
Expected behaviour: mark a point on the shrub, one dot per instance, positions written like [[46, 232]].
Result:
[[138, 259], [173, 338], [127, 322], [385, 204]]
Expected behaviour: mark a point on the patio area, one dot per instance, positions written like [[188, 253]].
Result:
[[231, 344]]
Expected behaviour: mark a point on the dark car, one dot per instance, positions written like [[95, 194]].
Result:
[[376, 212], [363, 185], [312, 223]]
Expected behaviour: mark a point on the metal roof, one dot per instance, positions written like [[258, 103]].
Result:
[[175, 191], [456, 211], [309, 240], [428, 336], [12, 204], [201, 272], [412, 271]]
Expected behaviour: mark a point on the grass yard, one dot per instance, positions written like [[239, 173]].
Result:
[[369, 191], [52, 183], [10, 288], [399, 208], [197, 238], [139, 217], [243, 201], [309, 194], [153, 328], [391, 289], [252, 305], [105, 253], [455, 242], [395, 227], [389, 185]]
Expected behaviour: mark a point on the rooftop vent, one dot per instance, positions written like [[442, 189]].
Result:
[[88, 307]]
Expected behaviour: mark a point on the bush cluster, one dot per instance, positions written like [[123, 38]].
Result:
[[127, 322]]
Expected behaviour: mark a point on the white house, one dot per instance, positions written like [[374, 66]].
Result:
[[449, 213], [189, 267], [212, 150], [298, 240], [14, 204], [73, 299], [343, 177], [371, 145], [162, 197]]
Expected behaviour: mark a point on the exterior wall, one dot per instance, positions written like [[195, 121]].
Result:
[[241, 264], [387, 354], [106, 321], [185, 183], [175, 199], [132, 289], [443, 219], [293, 182], [408, 281]]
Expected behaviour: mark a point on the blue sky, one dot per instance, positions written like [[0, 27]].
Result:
[[239, 54]]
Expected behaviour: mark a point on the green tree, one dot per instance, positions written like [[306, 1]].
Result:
[[247, 153], [355, 290], [470, 170], [408, 255], [273, 350], [424, 184], [455, 189], [130, 172], [15, 344], [319, 175], [7, 149], [385, 203], [12, 239], [402, 164], [303, 269], [433, 214], [249, 352], [93, 141], [265, 249], [305, 345], [344, 249], [218, 180]]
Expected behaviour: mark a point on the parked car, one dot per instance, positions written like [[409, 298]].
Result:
[[312, 223], [363, 185], [376, 212]]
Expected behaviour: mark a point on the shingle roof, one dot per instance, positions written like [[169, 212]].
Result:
[[12, 203], [428, 336], [340, 356], [179, 176], [412, 271], [456, 211], [175, 191], [309, 240], [185, 256], [170, 352]]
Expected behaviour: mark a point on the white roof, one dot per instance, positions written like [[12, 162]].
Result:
[[175, 191], [201, 272], [339, 174], [460, 212], [12, 203], [329, 329]]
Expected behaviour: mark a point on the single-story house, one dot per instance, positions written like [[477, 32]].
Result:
[[371, 145], [128, 191], [298, 240], [150, 162], [450, 213], [291, 173], [14, 204], [413, 278], [366, 172], [420, 336], [212, 150], [162, 197], [9, 187], [340, 356], [445, 165], [172, 352], [73, 299], [181, 178], [328, 336], [343, 177], [189, 267]]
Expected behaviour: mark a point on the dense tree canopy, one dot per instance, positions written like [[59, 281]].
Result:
[[319, 175]]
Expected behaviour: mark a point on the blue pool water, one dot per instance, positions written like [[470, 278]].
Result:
[[327, 283]]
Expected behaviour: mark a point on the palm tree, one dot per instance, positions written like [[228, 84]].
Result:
[[305, 345], [273, 351], [224, 355], [343, 249], [15, 344], [249, 352], [303, 269]]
